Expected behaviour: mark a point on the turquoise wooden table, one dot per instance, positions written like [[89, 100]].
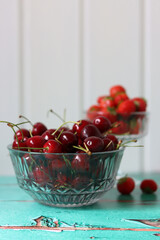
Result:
[[136, 216]]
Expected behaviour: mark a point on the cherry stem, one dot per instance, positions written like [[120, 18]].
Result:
[[86, 150], [63, 125], [63, 120], [108, 145], [21, 116], [64, 115], [60, 134]]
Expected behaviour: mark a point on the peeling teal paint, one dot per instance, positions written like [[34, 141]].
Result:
[[114, 212]]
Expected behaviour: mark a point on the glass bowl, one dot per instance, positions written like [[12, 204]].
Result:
[[59, 180], [137, 124]]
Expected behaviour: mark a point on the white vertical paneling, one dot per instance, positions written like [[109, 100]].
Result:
[[9, 76], [154, 75], [54, 59], [113, 55]]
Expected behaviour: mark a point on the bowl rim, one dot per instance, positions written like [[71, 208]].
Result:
[[121, 149]]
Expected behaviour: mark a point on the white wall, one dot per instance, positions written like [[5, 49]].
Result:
[[63, 54]]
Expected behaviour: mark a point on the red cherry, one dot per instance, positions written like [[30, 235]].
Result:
[[52, 146], [107, 102], [125, 108], [20, 144], [100, 98], [109, 113], [35, 143], [102, 123], [90, 130], [116, 89], [120, 97], [38, 129], [148, 186], [48, 134], [80, 182], [62, 180], [22, 133], [125, 185], [81, 162], [41, 175], [92, 112], [68, 140], [108, 144], [120, 128], [140, 103], [57, 164], [114, 140], [77, 127], [94, 144]]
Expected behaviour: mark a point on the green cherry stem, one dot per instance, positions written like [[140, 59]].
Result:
[[63, 125], [57, 115], [21, 116]]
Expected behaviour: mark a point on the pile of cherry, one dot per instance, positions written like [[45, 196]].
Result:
[[118, 107], [83, 137]]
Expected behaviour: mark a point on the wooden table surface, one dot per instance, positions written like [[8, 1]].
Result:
[[136, 216]]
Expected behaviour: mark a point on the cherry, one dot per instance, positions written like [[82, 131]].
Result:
[[108, 144], [35, 143], [47, 135], [80, 182], [94, 144], [40, 174], [68, 140], [114, 139], [120, 128], [90, 130], [57, 164], [77, 127], [62, 179], [52, 146], [81, 162], [102, 123], [20, 143], [22, 133], [38, 129]]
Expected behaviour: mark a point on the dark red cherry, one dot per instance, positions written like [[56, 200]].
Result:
[[57, 164], [52, 146], [22, 133], [38, 129], [41, 175], [94, 144], [80, 182], [20, 144], [77, 127], [114, 139], [80, 162], [35, 143], [108, 144], [68, 140], [48, 134], [90, 130], [102, 123], [62, 179]]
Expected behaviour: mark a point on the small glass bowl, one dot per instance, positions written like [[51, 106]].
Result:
[[137, 124], [53, 179]]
